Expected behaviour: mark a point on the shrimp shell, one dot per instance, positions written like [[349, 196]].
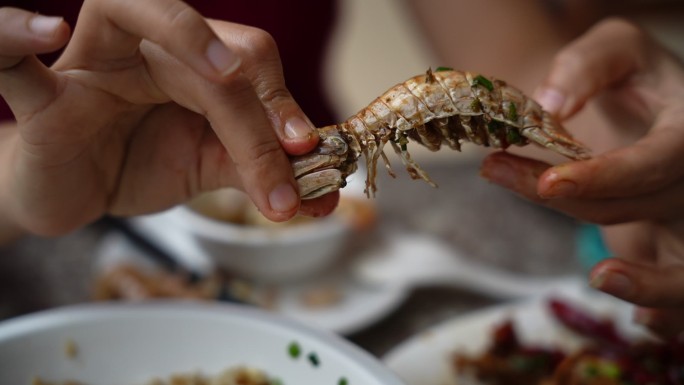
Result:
[[442, 107]]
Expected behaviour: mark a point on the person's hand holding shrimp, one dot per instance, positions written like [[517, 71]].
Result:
[[149, 105], [634, 190]]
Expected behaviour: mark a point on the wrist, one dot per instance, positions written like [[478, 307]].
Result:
[[9, 227]]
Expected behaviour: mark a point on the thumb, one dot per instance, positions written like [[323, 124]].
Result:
[[602, 57], [25, 83], [641, 284]]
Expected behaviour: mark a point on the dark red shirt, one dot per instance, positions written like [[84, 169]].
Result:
[[301, 30]]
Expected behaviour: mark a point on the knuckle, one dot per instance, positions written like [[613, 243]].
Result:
[[622, 26], [8, 13], [631, 32], [571, 60], [179, 16], [263, 151], [275, 95], [260, 44]]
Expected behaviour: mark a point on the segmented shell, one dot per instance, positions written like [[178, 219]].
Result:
[[445, 107]]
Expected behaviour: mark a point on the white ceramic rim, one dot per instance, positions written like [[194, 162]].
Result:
[[92, 312], [218, 230]]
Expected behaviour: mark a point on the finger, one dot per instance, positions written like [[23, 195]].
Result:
[[632, 241], [648, 165], [238, 118], [25, 83], [642, 284], [262, 66], [522, 175], [604, 55], [667, 323], [514, 172], [321, 206], [110, 32], [24, 33]]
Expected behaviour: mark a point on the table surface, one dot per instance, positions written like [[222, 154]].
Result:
[[486, 222]]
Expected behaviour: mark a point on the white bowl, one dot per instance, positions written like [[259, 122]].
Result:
[[270, 254], [121, 344], [266, 252]]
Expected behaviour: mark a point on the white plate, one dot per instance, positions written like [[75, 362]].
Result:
[[121, 344], [361, 305], [425, 358]]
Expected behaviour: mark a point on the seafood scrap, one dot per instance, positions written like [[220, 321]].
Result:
[[444, 106]]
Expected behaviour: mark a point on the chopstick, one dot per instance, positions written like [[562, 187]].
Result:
[[162, 257]]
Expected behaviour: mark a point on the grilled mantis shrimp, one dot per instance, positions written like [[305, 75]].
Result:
[[440, 107]]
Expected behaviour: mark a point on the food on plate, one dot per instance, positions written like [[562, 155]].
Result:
[[70, 349], [508, 361], [607, 358], [322, 296], [126, 281], [238, 375], [131, 282]]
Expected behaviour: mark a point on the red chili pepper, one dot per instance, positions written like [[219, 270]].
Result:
[[505, 339], [587, 325]]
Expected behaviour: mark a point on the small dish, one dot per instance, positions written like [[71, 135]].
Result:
[[225, 227]]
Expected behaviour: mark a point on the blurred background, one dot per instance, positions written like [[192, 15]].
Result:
[[408, 259]]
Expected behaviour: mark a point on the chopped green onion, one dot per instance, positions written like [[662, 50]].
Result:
[[440, 69], [493, 126], [342, 381], [294, 350], [591, 371], [512, 112], [610, 370], [484, 82], [513, 136], [275, 381], [603, 369], [313, 358]]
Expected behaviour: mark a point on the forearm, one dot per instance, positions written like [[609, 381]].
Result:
[[9, 229], [494, 37]]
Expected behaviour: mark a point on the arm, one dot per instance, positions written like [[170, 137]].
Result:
[[497, 37]]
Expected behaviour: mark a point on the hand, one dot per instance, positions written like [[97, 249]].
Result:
[[149, 105], [633, 190]]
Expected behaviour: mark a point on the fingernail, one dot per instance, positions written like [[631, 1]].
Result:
[[224, 60], [550, 99], [44, 25], [298, 128], [613, 283], [283, 198], [500, 173], [561, 189]]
